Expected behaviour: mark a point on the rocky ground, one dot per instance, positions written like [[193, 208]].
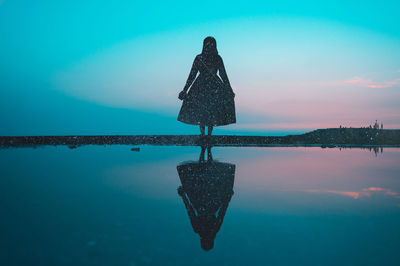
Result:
[[319, 137]]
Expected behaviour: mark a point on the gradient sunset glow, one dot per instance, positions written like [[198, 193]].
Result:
[[292, 69], [269, 178]]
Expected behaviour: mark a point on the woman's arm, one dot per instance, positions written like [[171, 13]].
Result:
[[189, 208], [192, 75], [222, 210], [222, 71], [223, 75]]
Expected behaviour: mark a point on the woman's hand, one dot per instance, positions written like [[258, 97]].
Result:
[[182, 95]]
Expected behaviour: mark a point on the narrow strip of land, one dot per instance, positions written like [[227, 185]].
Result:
[[356, 137]]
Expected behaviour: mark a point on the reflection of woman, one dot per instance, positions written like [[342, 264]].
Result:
[[207, 188], [209, 101]]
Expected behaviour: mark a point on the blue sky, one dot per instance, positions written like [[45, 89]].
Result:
[[116, 67]]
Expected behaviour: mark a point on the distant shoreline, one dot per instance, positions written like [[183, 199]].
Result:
[[325, 138]]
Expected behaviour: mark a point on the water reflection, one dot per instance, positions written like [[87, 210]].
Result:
[[206, 190], [375, 149]]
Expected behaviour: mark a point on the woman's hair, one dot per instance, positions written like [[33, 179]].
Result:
[[209, 46], [207, 243]]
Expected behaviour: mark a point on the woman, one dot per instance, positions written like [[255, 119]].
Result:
[[209, 101]]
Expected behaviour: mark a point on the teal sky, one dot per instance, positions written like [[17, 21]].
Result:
[[116, 67]]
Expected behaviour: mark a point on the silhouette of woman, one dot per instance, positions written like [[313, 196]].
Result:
[[207, 188], [210, 99]]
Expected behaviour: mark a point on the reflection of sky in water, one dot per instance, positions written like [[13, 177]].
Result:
[[109, 205]]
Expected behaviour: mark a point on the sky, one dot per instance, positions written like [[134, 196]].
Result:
[[116, 67]]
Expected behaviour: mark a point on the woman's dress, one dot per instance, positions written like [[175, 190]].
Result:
[[210, 100]]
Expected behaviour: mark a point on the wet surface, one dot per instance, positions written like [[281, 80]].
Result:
[[261, 206]]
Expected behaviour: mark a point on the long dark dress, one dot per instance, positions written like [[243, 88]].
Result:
[[210, 100], [207, 188]]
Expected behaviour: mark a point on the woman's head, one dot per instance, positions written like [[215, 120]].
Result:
[[209, 46], [207, 243]]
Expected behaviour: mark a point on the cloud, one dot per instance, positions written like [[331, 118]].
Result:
[[361, 82], [368, 83], [366, 192], [387, 84], [356, 80], [351, 83], [286, 125]]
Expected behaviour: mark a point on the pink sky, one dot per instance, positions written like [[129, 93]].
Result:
[[288, 77], [291, 174]]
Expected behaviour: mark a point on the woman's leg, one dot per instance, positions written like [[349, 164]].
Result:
[[210, 129], [202, 130], [209, 155], [203, 149]]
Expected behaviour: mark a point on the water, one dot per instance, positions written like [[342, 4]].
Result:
[[112, 206]]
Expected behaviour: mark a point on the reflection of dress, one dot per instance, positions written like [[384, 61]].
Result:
[[207, 188], [210, 100]]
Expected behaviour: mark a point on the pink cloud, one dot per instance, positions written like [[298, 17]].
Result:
[[366, 192], [384, 190], [370, 84], [374, 189], [367, 83], [352, 194], [387, 84], [356, 80], [287, 125]]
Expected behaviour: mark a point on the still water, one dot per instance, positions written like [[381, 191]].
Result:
[[98, 205]]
